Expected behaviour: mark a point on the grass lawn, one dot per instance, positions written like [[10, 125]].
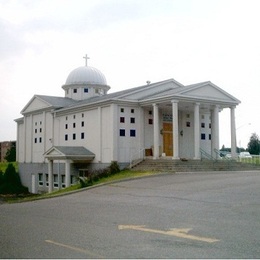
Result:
[[125, 174]]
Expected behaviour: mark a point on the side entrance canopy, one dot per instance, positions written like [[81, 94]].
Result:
[[68, 154]]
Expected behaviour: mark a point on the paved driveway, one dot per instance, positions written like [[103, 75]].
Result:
[[188, 215]]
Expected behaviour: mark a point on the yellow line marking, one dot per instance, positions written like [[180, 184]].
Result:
[[77, 249], [182, 233]]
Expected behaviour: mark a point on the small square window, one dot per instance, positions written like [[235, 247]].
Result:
[[202, 117], [66, 137], [74, 116], [150, 121], [202, 125], [150, 112], [203, 137], [122, 119], [132, 110], [82, 115], [40, 122], [188, 116], [122, 132], [132, 120], [85, 90], [35, 123], [66, 118], [188, 124], [82, 135], [132, 132], [122, 110], [75, 90], [74, 136]]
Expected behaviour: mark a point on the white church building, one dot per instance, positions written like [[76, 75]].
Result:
[[60, 138]]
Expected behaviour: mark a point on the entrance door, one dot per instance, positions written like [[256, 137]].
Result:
[[167, 139]]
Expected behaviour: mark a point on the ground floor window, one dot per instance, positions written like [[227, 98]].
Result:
[[56, 180], [40, 179]]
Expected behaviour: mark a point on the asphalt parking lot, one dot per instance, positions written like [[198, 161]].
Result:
[[187, 215]]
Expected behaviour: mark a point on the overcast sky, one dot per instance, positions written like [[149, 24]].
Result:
[[131, 41]]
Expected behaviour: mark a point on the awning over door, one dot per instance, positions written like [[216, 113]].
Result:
[[75, 153]]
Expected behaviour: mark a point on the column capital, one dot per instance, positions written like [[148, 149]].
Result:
[[174, 101], [197, 103]]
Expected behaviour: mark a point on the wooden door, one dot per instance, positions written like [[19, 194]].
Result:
[[167, 139]]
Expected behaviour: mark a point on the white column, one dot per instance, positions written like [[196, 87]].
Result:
[[233, 132], [99, 131], [50, 175], [67, 173], [175, 129], [196, 131], [114, 125], [215, 130], [155, 131]]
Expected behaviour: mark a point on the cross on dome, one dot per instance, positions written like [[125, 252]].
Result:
[[86, 59]]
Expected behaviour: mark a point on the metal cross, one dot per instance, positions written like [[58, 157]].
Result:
[[86, 58]]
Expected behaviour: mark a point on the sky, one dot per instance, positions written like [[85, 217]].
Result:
[[131, 41]]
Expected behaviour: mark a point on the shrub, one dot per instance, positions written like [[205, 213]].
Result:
[[96, 175], [10, 182]]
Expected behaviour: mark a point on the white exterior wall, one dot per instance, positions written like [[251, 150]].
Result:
[[205, 144]]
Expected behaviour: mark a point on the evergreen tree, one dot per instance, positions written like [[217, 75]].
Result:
[[253, 146], [11, 155]]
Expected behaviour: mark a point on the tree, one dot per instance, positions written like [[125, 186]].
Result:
[[253, 146], [11, 155]]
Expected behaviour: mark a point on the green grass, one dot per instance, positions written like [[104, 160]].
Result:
[[125, 174]]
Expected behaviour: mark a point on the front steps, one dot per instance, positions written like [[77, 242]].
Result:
[[169, 165]]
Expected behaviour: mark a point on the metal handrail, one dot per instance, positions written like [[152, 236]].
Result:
[[141, 158], [207, 155]]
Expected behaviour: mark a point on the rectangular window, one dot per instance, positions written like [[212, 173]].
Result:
[[121, 132], [150, 112], [150, 121], [47, 179], [122, 119], [132, 110], [63, 185], [74, 136], [40, 179], [203, 137], [82, 135], [122, 110], [40, 139], [209, 136], [66, 137], [188, 116], [74, 116], [132, 132], [82, 115], [132, 120], [74, 90], [202, 117], [35, 131], [209, 125], [66, 118], [82, 123], [188, 124], [56, 180], [40, 130], [74, 125], [66, 126], [35, 140], [202, 125], [85, 90]]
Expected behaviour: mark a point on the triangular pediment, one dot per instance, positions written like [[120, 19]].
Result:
[[54, 152], [207, 91], [36, 103]]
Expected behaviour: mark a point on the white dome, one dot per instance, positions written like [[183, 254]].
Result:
[[86, 75]]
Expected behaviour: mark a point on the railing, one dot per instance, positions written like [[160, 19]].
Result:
[[139, 157], [254, 159], [206, 155], [218, 155]]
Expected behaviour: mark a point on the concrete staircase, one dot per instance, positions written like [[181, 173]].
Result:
[[168, 165]]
